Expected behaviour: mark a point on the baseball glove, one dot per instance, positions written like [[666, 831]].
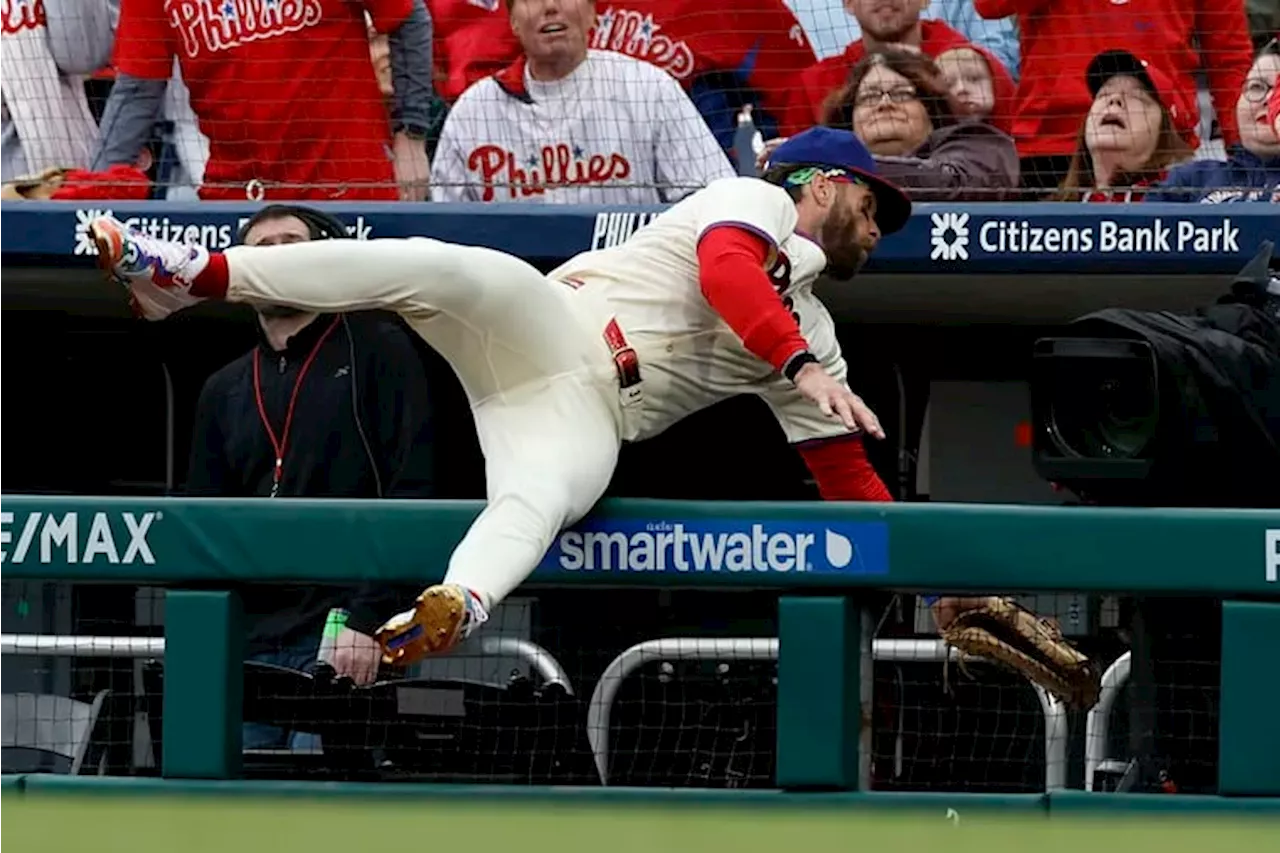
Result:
[[1005, 632], [36, 187]]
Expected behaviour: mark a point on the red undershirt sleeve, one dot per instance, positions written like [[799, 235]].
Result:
[[842, 470], [733, 277]]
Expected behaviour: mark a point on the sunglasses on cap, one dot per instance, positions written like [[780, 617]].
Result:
[[801, 177]]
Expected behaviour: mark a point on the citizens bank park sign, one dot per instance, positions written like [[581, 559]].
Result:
[[976, 239], [212, 233], [957, 236]]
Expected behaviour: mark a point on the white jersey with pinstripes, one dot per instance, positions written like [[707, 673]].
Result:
[[689, 357]]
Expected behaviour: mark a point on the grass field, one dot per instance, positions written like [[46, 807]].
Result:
[[65, 824]]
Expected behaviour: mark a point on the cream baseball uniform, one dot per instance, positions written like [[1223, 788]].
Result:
[[532, 354], [616, 131]]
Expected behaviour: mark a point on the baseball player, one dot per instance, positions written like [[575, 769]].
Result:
[[711, 299]]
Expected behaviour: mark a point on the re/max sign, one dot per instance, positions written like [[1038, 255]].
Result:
[[74, 537]]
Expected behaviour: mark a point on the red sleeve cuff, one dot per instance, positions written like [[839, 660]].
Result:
[[842, 470]]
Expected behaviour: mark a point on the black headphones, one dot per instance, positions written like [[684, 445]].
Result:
[[324, 226]]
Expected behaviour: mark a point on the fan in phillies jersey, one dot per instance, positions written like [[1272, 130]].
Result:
[[568, 125], [725, 53], [285, 92], [711, 299]]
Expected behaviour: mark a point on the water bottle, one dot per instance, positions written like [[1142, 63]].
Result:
[[747, 143], [333, 625]]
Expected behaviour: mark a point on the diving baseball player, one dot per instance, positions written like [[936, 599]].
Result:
[[711, 299]]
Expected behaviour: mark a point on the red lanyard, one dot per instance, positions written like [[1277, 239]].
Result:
[[279, 444]]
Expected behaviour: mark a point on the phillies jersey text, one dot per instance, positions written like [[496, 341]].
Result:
[[689, 357], [285, 91], [615, 131], [758, 46]]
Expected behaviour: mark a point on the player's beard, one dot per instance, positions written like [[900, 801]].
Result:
[[842, 243]]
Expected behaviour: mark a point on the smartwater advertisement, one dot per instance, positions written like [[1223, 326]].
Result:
[[721, 545]]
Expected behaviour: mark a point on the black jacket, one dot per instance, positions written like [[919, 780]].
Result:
[[362, 427]]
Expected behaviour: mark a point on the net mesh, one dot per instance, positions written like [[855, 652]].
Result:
[[644, 696], [633, 101]]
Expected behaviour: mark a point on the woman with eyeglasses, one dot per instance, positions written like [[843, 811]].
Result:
[[1251, 171], [1136, 129], [904, 108]]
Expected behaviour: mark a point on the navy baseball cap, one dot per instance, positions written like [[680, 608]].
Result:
[[841, 149]]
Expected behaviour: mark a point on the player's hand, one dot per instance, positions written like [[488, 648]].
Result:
[[835, 400], [357, 656], [413, 170]]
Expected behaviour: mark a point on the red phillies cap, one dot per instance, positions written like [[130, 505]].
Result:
[[1110, 63]]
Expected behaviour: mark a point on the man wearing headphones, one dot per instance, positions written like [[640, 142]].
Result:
[[326, 405]]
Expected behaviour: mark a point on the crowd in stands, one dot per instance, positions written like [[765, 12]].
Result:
[[635, 101]]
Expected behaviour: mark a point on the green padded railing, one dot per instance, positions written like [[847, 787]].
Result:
[[818, 556]]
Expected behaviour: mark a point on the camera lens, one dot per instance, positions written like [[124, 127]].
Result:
[[1105, 409]]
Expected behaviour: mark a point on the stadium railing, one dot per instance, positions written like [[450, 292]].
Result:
[[202, 551]]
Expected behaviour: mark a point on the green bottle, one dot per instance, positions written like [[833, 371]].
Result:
[[334, 623]]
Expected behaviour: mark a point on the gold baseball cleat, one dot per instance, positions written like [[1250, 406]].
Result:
[[440, 618]]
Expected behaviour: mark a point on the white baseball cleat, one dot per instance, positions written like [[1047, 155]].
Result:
[[158, 273]]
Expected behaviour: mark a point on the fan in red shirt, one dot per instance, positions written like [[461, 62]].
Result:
[[724, 52], [471, 40], [889, 24], [1059, 37], [284, 89]]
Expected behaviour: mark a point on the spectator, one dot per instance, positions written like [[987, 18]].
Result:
[[324, 406], [183, 149], [1134, 131], [727, 54], [189, 146], [832, 28], [887, 24], [471, 41], [1251, 170], [968, 75], [286, 95], [564, 124], [1059, 38], [380, 56], [900, 104], [49, 48]]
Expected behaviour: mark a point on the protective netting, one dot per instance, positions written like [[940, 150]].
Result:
[[632, 101], [669, 689]]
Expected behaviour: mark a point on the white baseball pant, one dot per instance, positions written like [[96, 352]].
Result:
[[532, 360]]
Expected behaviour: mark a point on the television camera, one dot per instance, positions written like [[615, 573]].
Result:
[[1140, 408]]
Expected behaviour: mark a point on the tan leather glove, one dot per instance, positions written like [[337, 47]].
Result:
[[37, 187]]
